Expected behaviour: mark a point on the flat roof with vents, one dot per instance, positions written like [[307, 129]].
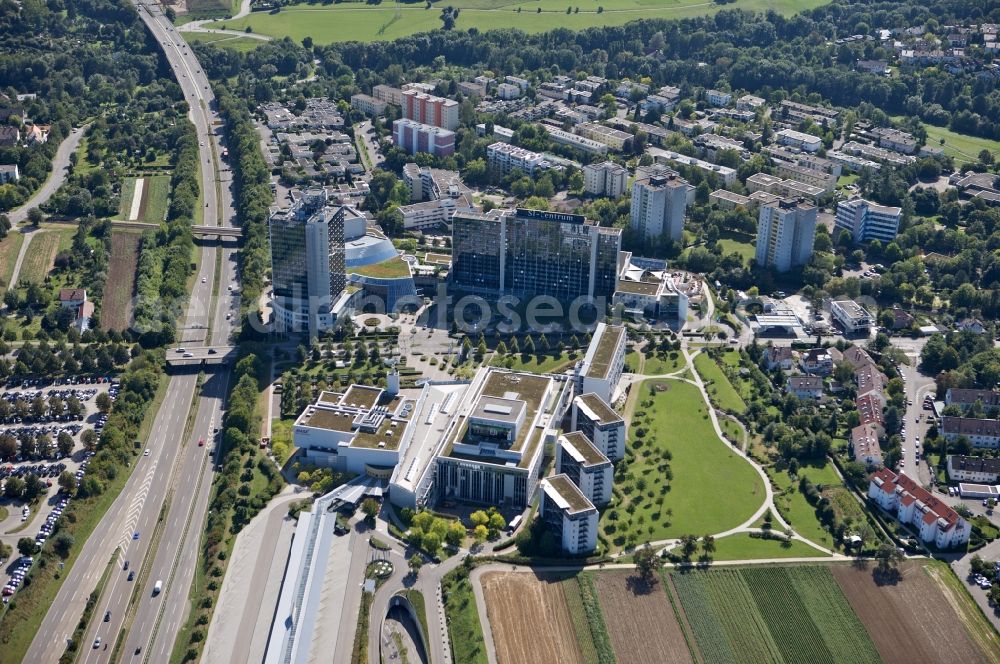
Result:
[[498, 409]]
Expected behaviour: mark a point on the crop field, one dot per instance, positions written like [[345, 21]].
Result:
[[116, 308], [640, 620], [588, 623], [773, 614], [381, 22], [517, 604], [153, 198], [915, 620], [40, 256]]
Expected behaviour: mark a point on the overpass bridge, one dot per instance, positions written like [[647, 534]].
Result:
[[200, 356], [201, 231]]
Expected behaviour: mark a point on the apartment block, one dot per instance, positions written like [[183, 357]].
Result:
[[785, 234], [852, 317], [913, 505], [865, 445], [581, 143], [415, 137], [966, 398], [388, 94], [815, 178], [798, 139], [601, 368], [982, 470], [605, 428], [430, 110], [615, 139], [568, 515], [503, 158], [659, 201], [525, 253], [605, 179], [867, 221], [979, 432], [586, 466], [368, 105]]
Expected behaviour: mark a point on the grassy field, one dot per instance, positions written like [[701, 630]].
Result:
[[125, 200], [740, 244], [649, 507], [743, 547], [793, 505], [773, 614], [40, 255], [9, 249], [543, 363], [959, 146], [719, 389], [663, 364], [223, 40], [353, 21], [157, 191], [464, 629]]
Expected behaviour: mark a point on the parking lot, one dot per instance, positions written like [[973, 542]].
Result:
[[43, 428]]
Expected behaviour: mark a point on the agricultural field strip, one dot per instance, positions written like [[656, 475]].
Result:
[[708, 631], [573, 594], [140, 184], [741, 619], [840, 628]]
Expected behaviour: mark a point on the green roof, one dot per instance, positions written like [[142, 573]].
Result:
[[607, 343], [570, 493], [394, 268]]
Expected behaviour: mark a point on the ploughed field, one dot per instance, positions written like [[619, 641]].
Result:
[[794, 614]]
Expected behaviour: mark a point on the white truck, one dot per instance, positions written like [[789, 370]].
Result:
[[157, 588]]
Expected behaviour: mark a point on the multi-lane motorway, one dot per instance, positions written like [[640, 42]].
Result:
[[176, 478]]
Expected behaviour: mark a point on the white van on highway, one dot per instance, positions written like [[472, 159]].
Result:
[[157, 588]]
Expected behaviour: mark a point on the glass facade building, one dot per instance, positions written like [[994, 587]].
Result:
[[532, 252]]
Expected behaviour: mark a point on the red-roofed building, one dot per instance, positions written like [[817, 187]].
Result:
[[913, 505], [870, 409]]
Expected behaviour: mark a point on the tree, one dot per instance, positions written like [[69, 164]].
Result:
[[5, 551], [64, 443], [370, 507], [708, 545], [35, 216], [480, 533], [67, 482], [689, 544], [455, 534], [89, 439], [496, 524], [889, 558], [479, 518], [62, 543], [13, 488], [103, 402], [647, 562], [415, 562], [26, 546]]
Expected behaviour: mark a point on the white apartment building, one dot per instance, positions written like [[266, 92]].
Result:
[[981, 470], [599, 422], [613, 138], [727, 200], [785, 234], [604, 362], [568, 515], [368, 105], [659, 201], [853, 318], [915, 506], [586, 466], [437, 212], [867, 221], [581, 143], [724, 173], [799, 139], [504, 157], [718, 98], [605, 179], [508, 91], [979, 432], [388, 94], [865, 445], [813, 177]]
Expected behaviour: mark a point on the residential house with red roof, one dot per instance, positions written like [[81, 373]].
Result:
[[913, 505]]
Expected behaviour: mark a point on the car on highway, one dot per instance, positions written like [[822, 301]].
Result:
[[203, 280], [146, 453], [135, 535], [188, 354], [212, 351], [180, 350], [131, 575], [97, 643], [201, 442], [107, 616]]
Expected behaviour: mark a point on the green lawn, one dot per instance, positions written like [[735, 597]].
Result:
[[224, 40], [348, 21], [125, 200], [793, 505], [9, 248], [394, 268], [464, 628], [740, 244], [959, 146], [677, 420], [743, 547], [663, 364], [717, 385], [547, 363], [156, 200]]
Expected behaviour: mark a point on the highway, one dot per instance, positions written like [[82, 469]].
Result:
[[178, 468]]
